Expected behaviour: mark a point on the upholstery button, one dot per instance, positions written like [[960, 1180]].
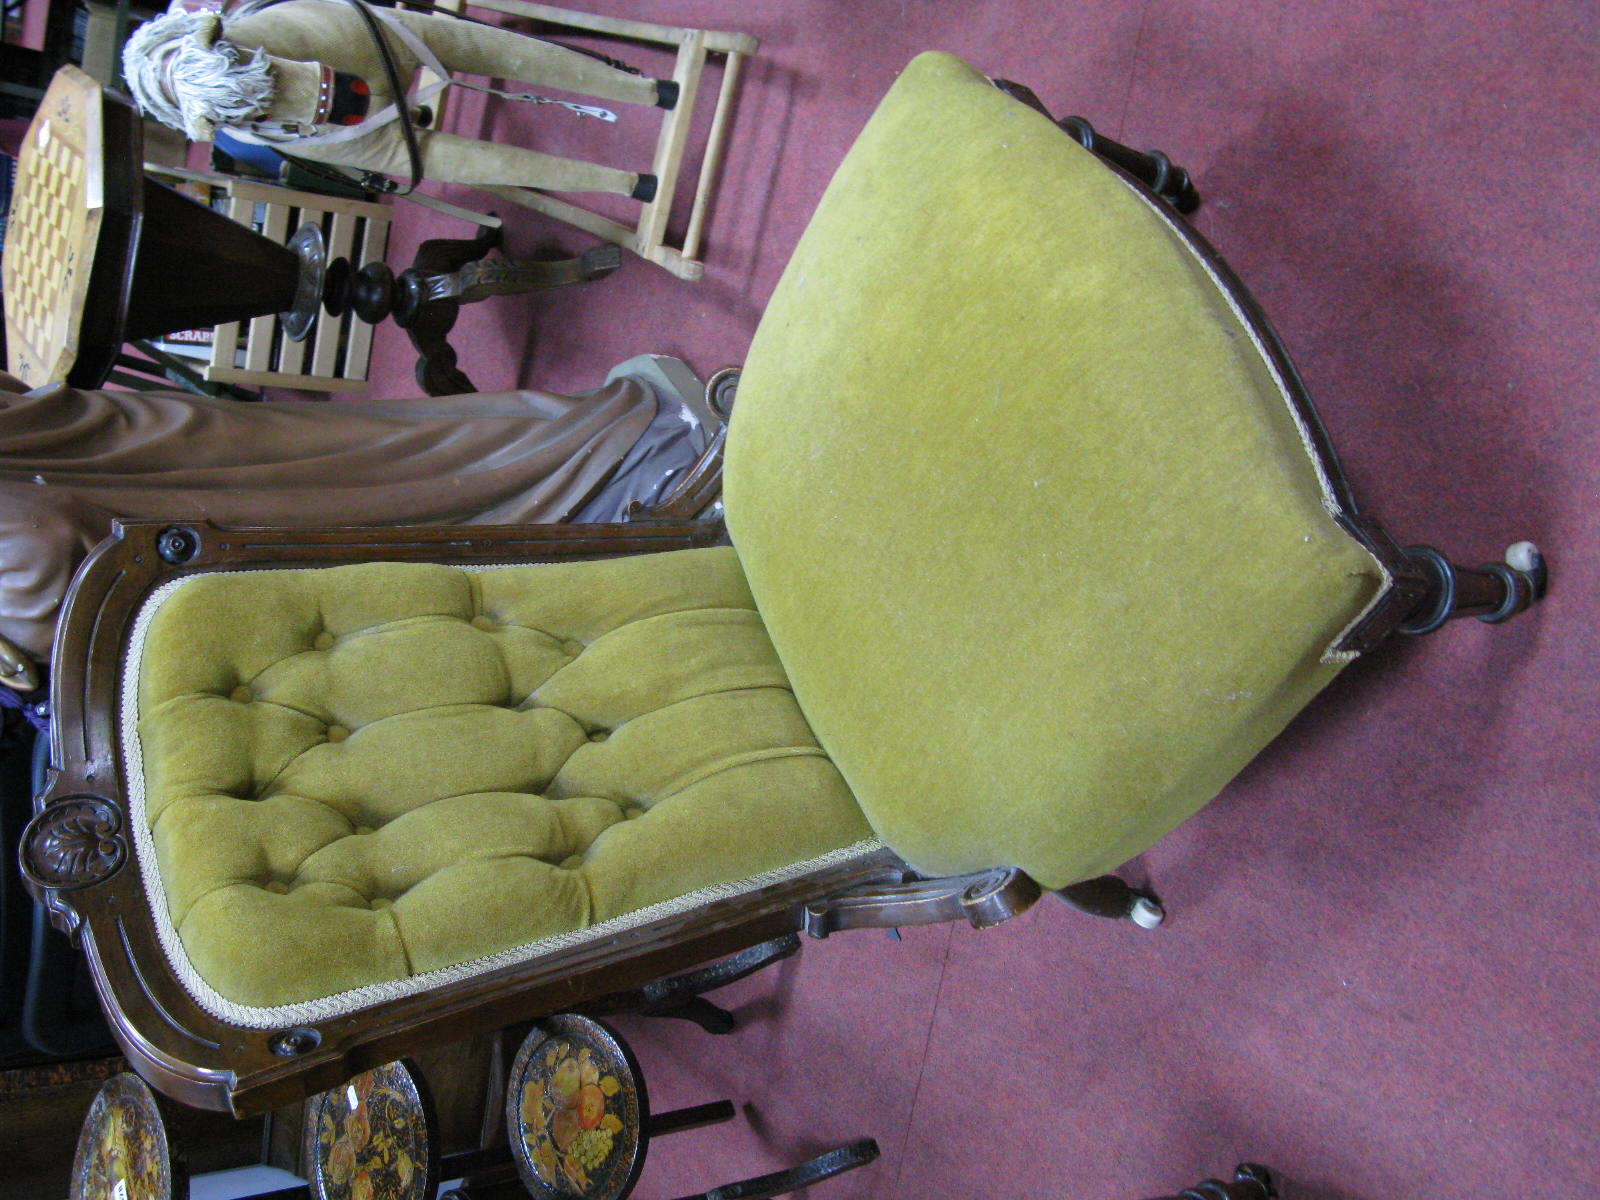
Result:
[[632, 814], [379, 903], [572, 862], [482, 622], [599, 735], [363, 830], [324, 641], [278, 888], [337, 733], [572, 647], [241, 695]]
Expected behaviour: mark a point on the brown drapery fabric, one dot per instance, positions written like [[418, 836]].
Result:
[[72, 460]]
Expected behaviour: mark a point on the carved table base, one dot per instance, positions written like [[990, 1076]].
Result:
[[426, 297]]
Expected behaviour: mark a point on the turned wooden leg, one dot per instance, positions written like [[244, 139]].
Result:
[[1493, 593], [1150, 167], [1109, 896], [426, 297]]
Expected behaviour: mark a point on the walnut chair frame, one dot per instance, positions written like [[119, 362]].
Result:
[[77, 852], [77, 856]]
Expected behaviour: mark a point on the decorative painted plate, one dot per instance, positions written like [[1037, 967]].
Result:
[[575, 1109], [373, 1138]]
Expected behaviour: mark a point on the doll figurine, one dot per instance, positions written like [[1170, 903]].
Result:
[[308, 77]]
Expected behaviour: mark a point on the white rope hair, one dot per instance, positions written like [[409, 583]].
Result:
[[186, 77]]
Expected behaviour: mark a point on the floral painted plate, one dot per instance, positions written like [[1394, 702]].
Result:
[[123, 1151], [575, 1106], [373, 1139]]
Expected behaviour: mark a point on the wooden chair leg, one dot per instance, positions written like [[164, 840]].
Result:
[[648, 238], [426, 297], [1109, 896], [1150, 167], [1493, 593]]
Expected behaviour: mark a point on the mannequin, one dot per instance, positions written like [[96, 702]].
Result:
[[306, 76]]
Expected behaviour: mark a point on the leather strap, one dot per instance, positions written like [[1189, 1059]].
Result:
[[392, 72]]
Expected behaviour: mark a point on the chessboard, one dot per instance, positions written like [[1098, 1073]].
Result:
[[56, 208]]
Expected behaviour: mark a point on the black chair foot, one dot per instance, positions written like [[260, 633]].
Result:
[[644, 189]]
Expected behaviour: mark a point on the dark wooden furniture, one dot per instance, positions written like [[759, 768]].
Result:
[[77, 852], [99, 254], [48, 1007], [426, 298], [577, 1117], [92, 246]]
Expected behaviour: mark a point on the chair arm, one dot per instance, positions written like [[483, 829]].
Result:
[[983, 898], [700, 487]]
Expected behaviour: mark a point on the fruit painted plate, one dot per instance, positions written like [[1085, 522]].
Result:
[[575, 1105], [373, 1138]]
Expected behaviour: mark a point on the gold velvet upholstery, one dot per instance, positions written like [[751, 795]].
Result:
[[1028, 516], [355, 775]]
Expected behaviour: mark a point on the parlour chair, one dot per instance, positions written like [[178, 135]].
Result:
[[1035, 543]]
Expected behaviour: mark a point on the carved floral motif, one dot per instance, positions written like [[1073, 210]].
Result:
[[75, 842]]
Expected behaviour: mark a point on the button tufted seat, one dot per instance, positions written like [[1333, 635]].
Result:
[[351, 780]]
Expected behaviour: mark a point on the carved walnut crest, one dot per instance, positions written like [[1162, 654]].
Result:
[[74, 843]]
